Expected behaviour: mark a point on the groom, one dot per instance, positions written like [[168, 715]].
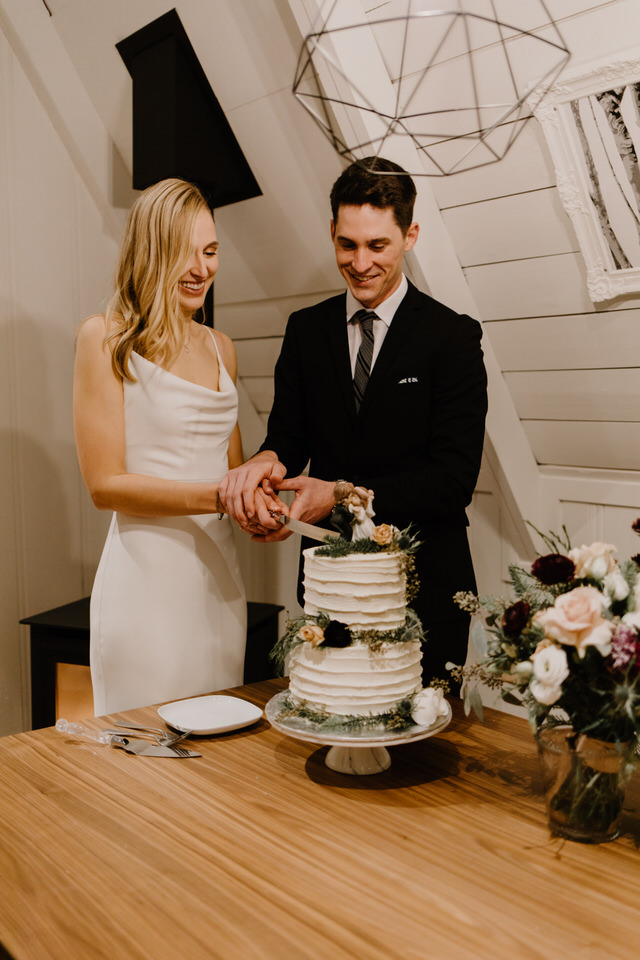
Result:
[[386, 388]]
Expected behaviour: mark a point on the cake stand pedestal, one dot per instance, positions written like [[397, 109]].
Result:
[[353, 752]]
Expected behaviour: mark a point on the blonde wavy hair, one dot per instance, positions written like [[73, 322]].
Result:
[[145, 308]]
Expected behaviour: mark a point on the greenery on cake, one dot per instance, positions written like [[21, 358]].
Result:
[[385, 539], [422, 708], [320, 630], [398, 719]]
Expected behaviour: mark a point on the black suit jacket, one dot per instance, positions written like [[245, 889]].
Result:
[[416, 440]]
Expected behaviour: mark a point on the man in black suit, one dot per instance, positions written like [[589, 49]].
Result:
[[410, 428]]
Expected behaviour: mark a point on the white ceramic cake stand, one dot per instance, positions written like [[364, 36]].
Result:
[[351, 752]]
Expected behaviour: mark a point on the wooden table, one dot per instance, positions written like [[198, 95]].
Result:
[[257, 851]]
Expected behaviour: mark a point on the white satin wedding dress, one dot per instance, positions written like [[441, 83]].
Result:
[[168, 609]]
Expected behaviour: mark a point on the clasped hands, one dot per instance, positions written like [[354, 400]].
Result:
[[249, 494]]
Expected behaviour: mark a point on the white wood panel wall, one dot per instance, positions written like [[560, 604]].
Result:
[[56, 270], [572, 368]]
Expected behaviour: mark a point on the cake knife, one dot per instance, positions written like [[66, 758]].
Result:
[[308, 529]]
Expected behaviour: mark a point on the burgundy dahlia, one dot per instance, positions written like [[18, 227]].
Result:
[[553, 568], [336, 634], [635, 526], [515, 618]]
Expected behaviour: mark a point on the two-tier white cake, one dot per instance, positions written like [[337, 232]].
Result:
[[372, 674]]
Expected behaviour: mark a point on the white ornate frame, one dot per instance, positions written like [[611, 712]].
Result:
[[604, 280]]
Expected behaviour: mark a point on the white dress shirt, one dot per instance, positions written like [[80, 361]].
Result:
[[384, 312]]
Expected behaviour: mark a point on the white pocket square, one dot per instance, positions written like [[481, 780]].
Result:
[[409, 380]]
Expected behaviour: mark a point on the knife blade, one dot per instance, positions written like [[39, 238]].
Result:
[[308, 529], [143, 748]]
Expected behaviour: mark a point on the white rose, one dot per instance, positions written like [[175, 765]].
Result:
[[615, 585], [632, 619], [428, 705], [550, 670], [594, 561]]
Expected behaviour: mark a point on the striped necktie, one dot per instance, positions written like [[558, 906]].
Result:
[[365, 353]]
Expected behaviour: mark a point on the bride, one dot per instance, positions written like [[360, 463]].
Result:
[[155, 414]]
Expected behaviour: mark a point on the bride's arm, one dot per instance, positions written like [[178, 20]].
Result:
[[98, 412]]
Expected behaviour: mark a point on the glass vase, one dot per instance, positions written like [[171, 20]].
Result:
[[584, 783]]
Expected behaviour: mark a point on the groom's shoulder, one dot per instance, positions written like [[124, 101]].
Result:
[[328, 308]]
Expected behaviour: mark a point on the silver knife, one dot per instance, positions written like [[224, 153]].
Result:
[[143, 748], [308, 529]]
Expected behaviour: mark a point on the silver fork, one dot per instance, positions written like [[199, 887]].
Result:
[[163, 737], [181, 751], [166, 740]]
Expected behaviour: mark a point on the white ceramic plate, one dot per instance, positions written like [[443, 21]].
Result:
[[215, 714]]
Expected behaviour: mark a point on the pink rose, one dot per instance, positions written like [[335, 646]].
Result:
[[576, 620]]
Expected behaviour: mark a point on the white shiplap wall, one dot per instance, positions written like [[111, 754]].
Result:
[[55, 268], [572, 367]]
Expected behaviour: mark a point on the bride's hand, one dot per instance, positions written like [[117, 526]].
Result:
[[240, 487]]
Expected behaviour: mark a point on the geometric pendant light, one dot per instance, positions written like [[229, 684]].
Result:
[[460, 82]]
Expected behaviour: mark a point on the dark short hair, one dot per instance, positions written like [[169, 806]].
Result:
[[388, 186]]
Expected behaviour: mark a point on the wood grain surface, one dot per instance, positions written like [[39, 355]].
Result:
[[258, 851]]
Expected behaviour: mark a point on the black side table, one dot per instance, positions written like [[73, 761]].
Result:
[[61, 635]]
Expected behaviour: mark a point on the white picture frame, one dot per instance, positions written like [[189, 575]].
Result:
[[591, 122]]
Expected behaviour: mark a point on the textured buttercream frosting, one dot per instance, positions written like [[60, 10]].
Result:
[[363, 590], [367, 592], [358, 680]]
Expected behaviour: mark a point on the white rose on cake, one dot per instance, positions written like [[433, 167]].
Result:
[[428, 705]]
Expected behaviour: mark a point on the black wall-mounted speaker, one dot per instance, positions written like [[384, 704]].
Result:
[[179, 128]]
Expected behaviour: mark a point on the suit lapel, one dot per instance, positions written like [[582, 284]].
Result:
[[397, 335]]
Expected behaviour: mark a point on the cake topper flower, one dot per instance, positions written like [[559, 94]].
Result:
[[384, 534]]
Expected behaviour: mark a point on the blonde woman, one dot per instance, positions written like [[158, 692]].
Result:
[[155, 410]]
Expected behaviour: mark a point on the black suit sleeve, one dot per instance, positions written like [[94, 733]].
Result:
[[287, 429], [438, 482]]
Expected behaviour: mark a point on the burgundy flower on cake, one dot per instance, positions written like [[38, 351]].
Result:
[[336, 634]]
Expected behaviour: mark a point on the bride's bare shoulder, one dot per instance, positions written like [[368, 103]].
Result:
[[96, 328]]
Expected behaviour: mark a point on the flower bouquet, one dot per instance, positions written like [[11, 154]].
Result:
[[567, 647]]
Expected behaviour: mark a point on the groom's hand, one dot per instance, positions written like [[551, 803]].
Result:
[[248, 493], [314, 499]]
